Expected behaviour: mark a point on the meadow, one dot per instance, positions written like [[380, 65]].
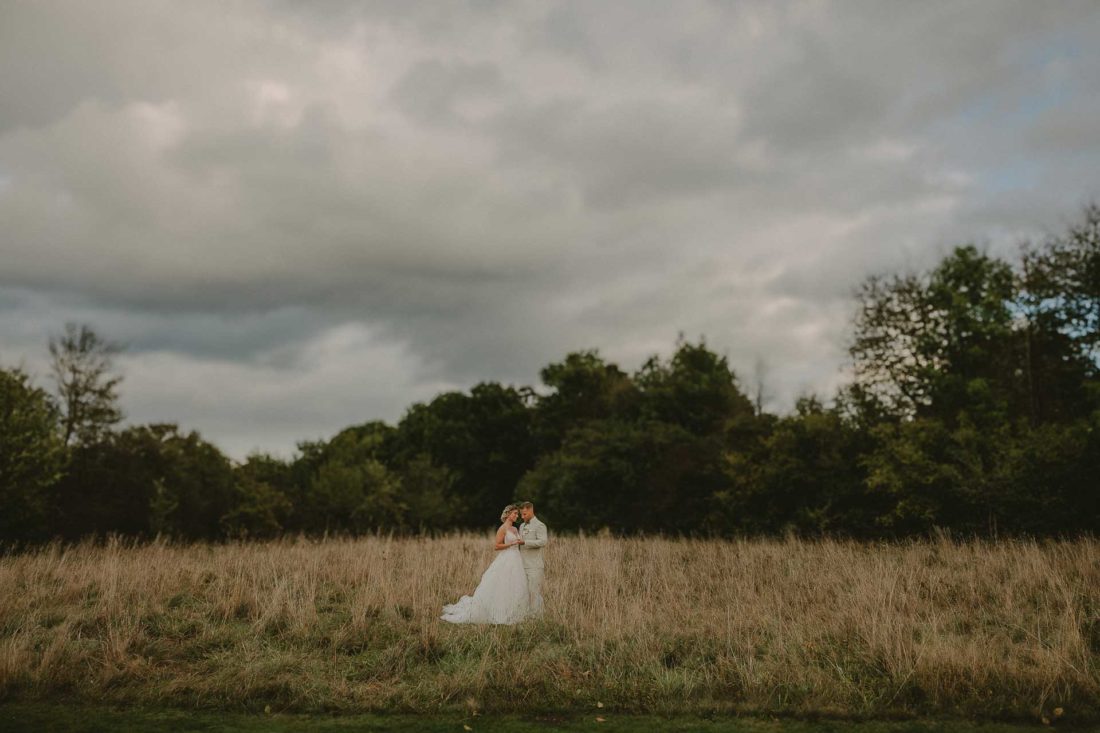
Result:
[[979, 630]]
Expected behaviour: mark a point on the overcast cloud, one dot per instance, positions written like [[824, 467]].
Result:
[[300, 216]]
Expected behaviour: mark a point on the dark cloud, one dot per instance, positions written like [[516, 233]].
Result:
[[432, 90], [302, 216]]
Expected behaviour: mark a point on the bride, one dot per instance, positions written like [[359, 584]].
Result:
[[501, 596]]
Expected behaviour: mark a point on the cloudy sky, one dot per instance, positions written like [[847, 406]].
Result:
[[300, 216]]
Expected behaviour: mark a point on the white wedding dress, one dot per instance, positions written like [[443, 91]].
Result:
[[500, 597]]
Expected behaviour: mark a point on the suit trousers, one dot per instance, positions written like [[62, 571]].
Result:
[[534, 588]]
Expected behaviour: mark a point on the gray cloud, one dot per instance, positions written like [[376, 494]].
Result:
[[301, 216]]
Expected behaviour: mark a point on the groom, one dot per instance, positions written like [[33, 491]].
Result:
[[532, 539]]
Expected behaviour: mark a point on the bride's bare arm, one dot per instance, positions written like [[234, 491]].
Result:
[[501, 544]]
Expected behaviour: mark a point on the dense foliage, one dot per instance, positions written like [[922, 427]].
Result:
[[975, 406]]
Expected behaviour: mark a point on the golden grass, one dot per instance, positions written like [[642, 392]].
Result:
[[1004, 629]]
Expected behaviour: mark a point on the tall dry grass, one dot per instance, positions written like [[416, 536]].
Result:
[[934, 627]]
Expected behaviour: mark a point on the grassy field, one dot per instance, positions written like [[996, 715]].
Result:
[[986, 631]]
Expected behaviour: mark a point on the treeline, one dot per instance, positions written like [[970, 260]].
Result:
[[974, 405]]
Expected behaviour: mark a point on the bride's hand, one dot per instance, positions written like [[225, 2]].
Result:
[[519, 542]]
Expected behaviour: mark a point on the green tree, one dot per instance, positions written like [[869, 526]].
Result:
[[263, 499], [695, 389], [147, 479], [1009, 477], [938, 475], [483, 439], [31, 457], [349, 488], [82, 364], [1053, 478], [584, 387], [920, 340], [357, 496], [1066, 274], [428, 492], [628, 476], [198, 475], [258, 509], [1060, 302], [803, 474]]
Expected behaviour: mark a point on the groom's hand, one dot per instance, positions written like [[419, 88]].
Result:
[[520, 542]]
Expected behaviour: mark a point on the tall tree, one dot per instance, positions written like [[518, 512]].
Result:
[[585, 387], [696, 389], [928, 344], [1060, 302], [87, 388], [483, 439], [31, 457], [265, 496], [1069, 279], [349, 488], [802, 474], [147, 479], [630, 476]]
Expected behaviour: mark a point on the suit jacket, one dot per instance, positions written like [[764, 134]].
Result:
[[534, 539]]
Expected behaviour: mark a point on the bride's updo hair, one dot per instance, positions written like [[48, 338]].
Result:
[[508, 510]]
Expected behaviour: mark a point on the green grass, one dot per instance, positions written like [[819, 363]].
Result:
[[66, 718]]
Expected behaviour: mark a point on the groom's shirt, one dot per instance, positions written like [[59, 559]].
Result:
[[534, 539]]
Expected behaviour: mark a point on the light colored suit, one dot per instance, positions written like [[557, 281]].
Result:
[[534, 539]]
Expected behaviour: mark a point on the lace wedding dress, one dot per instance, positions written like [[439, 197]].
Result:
[[500, 597]]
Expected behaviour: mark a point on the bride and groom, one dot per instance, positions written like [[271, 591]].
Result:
[[511, 587]]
